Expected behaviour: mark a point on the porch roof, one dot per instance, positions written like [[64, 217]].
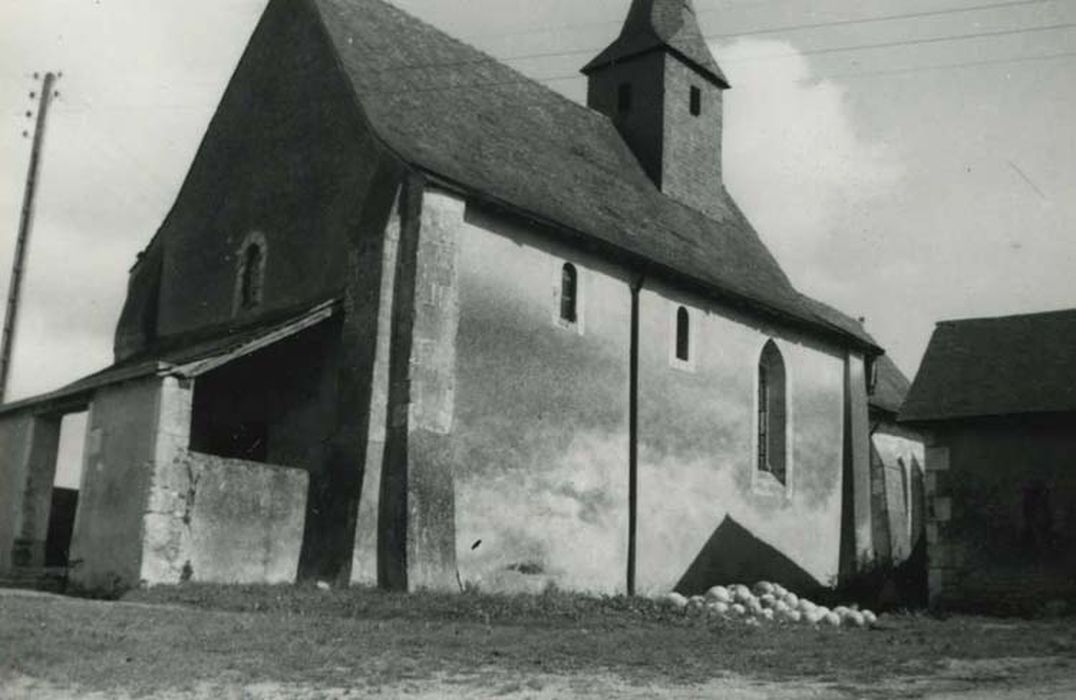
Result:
[[188, 359]]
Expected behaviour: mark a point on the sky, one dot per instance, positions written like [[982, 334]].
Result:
[[908, 161]]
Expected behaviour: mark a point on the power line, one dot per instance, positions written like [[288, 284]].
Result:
[[523, 80], [909, 42], [949, 66], [783, 28], [826, 50], [880, 18], [573, 76], [26, 221], [864, 74]]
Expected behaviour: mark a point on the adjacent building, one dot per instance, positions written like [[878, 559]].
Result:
[[996, 400]]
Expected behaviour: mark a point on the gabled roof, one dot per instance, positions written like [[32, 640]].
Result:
[[656, 24], [455, 112], [997, 367]]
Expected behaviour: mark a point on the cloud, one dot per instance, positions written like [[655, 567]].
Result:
[[796, 161]]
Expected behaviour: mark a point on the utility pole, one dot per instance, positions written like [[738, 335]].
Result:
[[18, 265]]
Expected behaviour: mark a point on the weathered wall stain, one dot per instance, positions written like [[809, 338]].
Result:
[[541, 432], [218, 520], [697, 442], [246, 525]]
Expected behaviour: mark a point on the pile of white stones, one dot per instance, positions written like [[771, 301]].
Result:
[[767, 602]]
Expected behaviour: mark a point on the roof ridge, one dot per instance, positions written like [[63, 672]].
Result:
[[1008, 317]]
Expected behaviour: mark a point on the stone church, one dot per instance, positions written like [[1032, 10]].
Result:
[[417, 321]]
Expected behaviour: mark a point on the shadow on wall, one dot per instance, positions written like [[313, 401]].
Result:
[[734, 555]]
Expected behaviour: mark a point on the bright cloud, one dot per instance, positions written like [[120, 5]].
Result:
[[795, 160]]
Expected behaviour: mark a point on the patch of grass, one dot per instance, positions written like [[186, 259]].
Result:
[[175, 637], [551, 608]]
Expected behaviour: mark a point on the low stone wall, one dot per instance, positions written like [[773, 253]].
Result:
[[217, 520]]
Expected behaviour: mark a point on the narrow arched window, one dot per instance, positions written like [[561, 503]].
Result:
[[683, 335], [250, 275], [569, 293], [772, 413]]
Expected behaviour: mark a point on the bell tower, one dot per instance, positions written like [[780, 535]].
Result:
[[662, 88]]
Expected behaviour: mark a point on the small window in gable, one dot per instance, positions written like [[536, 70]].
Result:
[[772, 413], [623, 98], [696, 101], [683, 335], [569, 294], [250, 285]]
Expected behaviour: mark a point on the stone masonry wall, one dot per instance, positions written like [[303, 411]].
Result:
[[691, 167], [1001, 514], [217, 520]]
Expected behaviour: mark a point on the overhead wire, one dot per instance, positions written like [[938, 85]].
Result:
[[823, 50], [882, 18], [912, 42], [947, 66], [770, 30]]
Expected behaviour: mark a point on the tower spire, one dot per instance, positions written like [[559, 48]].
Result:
[[662, 24]]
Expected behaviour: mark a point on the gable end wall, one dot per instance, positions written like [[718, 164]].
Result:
[[286, 155]]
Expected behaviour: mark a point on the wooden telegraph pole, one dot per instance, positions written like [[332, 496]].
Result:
[[18, 265]]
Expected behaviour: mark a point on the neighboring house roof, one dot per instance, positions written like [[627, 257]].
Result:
[[668, 24], [459, 114], [187, 359], [996, 367], [890, 388]]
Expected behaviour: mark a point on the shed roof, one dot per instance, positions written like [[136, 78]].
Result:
[[453, 111], [187, 358], [996, 367]]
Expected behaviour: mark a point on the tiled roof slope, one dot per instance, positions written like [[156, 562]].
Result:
[[460, 114], [997, 367], [656, 24], [891, 388]]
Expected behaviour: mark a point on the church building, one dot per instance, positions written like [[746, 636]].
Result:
[[417, 321]]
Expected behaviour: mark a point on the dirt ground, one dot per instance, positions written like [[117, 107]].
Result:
[[977, 682], [52, 647]]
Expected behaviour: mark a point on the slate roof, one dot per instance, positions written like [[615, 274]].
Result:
[[891, 388], [996, 367], [654, 24], [453, 111]]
